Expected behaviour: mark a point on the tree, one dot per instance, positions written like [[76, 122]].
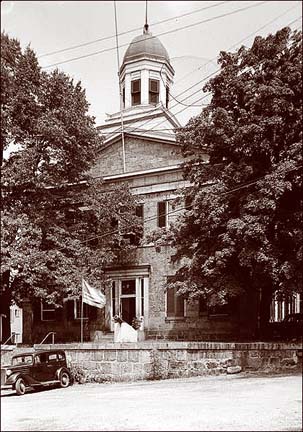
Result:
[[242, 231], [57, 223]]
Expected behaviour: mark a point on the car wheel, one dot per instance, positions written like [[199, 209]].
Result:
[[20, 387], [64, 379]]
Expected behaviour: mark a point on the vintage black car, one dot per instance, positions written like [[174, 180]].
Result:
[[36, 369]]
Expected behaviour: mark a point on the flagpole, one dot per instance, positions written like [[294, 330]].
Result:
[[82, 315]]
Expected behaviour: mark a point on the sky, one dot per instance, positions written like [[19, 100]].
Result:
[[50, 26]]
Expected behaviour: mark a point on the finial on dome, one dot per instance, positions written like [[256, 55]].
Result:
[[145, 28]]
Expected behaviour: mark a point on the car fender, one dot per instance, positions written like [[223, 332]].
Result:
[[29, 380], [63, 369], [12, 379]]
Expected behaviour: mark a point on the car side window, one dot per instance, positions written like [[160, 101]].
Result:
[[52, 358], [61, 356], [42, 358]]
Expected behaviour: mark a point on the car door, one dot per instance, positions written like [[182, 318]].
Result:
[[52, 365], [43, 369]]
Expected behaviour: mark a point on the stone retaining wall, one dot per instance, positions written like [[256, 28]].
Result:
[[159, 360]]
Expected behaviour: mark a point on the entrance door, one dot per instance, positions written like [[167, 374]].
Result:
[[128, 300], [128, 309]]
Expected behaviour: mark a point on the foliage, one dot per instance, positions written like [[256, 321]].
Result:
[[57, 224], [137, 322], [117, 319], [82, 375], [242, 231]]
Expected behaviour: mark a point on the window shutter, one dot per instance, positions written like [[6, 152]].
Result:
[[70, 315], [170, 302], [59, 313], [139, 210], [154, 86], [37, 311], [136, 86], [92, 313], [179, 305], [162, 214]]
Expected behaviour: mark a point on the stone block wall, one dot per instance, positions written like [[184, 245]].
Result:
[[238, 326], [158, 360], [140, 154]]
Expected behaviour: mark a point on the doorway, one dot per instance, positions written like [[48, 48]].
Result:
[[128, 309], [128, 299]]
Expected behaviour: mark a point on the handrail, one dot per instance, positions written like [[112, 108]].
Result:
[[48, 334], [13, 334]]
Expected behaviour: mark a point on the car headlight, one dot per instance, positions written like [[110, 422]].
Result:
[[8, 372]]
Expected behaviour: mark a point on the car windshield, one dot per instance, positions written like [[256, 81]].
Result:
[[22, 360]]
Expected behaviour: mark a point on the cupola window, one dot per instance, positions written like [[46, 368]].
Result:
[[123, 96], [136, 92], [153, 91]]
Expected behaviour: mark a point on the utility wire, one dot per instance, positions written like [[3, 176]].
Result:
[[238, 43], [199, 82], [120, 91], [243, 186], [204, 96], [228, 49], [132, 31], [159, 34]]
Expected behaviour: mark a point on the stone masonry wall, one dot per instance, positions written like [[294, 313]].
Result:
[[238, 326], [140, 154], [158, 360]]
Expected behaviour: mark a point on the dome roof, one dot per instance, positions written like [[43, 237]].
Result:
[[145, 45]]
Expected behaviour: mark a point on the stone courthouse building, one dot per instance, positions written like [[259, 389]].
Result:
[[146, 157]]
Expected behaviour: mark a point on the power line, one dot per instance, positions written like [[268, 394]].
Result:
[[202, 80], [160, 34], [242, 40], [243, 186], [131, 31], [207, 95]]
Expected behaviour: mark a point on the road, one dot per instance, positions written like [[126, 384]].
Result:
[[241, 402]]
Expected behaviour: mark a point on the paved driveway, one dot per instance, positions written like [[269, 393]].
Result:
[[227, 403]]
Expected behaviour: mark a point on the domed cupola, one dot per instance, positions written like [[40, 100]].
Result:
[[146, 73], [146, 46]]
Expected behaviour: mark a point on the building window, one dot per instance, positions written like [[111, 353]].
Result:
[[135, 238], [128, 287], [123, 96], [174, 304], [139, 211], [162, 214], [48, 311], [154, 91], [167, 97], [77, 309], [136, 92], [280, 307]]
